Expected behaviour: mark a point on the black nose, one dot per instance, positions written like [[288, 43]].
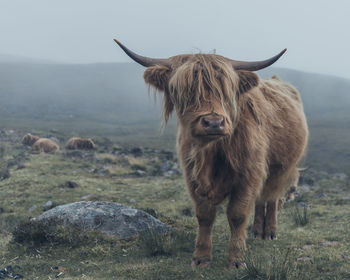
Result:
[[210, 122]]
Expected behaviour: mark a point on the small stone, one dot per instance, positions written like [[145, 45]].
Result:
[[31, 209], [187, 212], [304, 188], [54, 139], [20, 166], [344, 257], [47, 205], [132, 201], [70, 185], [321, 195], [306, 247], [302, 205], [86, 197], [328, 243], [140, 173], [166, 166], [304, 259]]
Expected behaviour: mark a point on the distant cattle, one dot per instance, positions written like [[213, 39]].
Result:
[[77, 143], [290, 194], [239, 137], [44, 145], [29, 139]]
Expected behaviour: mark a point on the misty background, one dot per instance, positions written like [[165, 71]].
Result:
[[61, 71]]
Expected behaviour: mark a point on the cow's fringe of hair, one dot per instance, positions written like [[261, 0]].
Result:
[[202, 78]]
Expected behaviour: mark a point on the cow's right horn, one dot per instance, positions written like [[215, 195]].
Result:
[[256, 65], [143, 60]]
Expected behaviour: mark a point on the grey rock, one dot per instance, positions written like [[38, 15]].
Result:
[[107, 217], [132, 201]]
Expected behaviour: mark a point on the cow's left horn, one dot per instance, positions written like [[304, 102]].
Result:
[[143, 60], [256, 65]]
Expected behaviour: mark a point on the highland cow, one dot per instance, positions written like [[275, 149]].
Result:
[[29, 139], [77, 143], [239, 137], [44, 145]]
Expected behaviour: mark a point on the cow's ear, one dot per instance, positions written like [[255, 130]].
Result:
[[247, 80], [157, 76]]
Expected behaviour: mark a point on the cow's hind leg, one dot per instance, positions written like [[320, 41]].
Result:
[[274, 189], [259, 220], [270, 230], [205, 213]]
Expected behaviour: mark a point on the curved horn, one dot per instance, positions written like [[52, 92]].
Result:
[[256, 65], [143, 60]]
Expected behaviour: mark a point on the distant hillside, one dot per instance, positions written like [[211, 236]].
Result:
[[112, 100]]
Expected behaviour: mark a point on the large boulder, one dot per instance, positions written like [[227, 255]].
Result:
[[107, 217]]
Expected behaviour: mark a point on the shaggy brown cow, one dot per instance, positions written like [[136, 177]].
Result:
[[44, 145], [80, 143], [239, 137], [29, 139]]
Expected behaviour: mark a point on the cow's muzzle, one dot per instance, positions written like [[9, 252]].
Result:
[[213, 125]]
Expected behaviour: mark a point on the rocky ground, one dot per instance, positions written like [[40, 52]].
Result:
[[313, 229]]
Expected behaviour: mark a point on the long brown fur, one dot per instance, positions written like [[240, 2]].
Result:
[[44, 145], [29, 139], [80, 143], [253, 164]]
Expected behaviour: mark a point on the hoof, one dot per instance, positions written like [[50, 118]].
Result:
[[237, 265], [258, 236], [271, 236], [201, 263]]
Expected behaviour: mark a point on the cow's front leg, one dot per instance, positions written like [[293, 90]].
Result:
[[205, 213], [238, 211]]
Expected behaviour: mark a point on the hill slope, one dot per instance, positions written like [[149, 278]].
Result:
[[112, 100]]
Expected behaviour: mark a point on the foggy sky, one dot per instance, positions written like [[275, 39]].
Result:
[[316, 32]]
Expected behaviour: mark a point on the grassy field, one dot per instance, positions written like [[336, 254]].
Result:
[[313, 241]]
